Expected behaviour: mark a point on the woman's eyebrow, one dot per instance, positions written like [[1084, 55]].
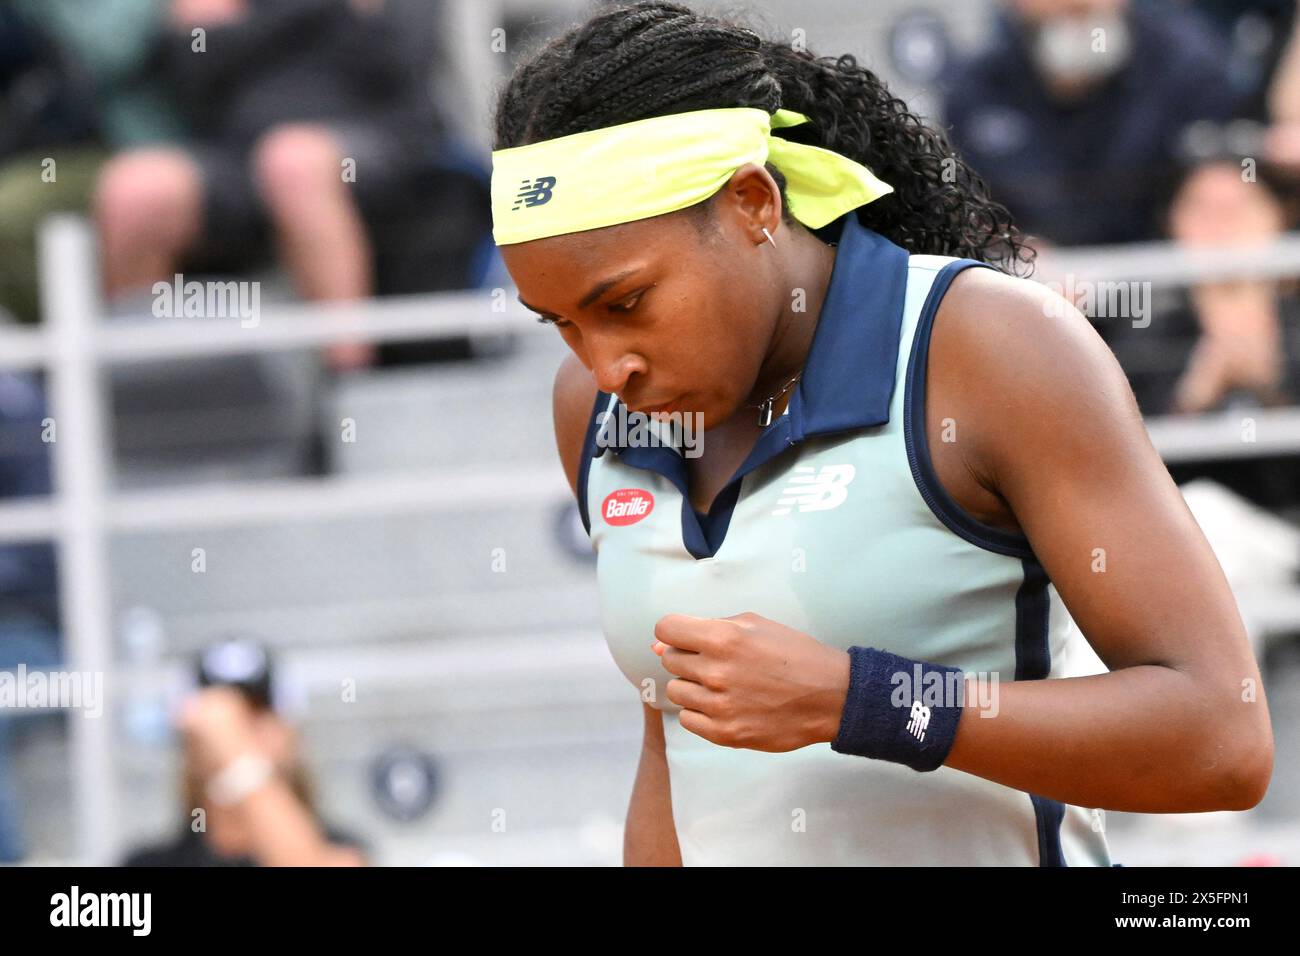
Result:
[[599, 289]]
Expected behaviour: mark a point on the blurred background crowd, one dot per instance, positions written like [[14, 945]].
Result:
[[415, 654]]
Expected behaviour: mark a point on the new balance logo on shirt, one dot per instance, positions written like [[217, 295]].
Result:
[[813, 489]]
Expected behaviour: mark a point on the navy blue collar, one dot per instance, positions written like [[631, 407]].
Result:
[[847, 381]]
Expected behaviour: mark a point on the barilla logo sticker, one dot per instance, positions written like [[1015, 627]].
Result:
[[627, 506]]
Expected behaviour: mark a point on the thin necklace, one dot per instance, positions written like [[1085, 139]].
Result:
[[765, 407]]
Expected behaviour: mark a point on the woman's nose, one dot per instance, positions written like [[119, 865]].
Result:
[[612, 375]]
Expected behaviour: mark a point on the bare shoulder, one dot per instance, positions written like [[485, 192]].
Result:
[[572, 399], [1024, 364], [1020, 326]]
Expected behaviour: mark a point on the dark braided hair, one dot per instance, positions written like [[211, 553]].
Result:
[[654, 59]]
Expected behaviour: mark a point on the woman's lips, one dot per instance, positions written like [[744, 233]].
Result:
[[662, 408]]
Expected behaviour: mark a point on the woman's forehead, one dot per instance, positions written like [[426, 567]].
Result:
[[603, 244], [585, 258]]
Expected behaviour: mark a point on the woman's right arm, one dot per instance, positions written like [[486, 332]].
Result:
[[649, 838]]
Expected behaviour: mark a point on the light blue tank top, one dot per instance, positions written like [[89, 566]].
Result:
[[837, 525]]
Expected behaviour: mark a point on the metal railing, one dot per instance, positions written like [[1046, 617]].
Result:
[[75, 345]]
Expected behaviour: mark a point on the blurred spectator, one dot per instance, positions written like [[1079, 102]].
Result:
[[1257, 32], [28, 584], [1282, 145], [1284, 94], [1249, 333], [1074, 114], [76, 83], [247, 795], [310, 126], [1234, 343]]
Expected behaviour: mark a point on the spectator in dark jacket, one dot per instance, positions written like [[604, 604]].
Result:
[[1074, 114]]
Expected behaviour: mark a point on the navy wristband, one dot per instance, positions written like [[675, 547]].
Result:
[[896, 711]]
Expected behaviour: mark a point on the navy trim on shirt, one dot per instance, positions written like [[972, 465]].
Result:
[[588, 446], [1033, 654], [1034, 662], [1049, 814], [945, 508]]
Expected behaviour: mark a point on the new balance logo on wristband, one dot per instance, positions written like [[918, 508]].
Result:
[[868, 727], [920, 720]]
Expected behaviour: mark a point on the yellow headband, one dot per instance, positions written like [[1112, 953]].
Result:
[[654, 166]]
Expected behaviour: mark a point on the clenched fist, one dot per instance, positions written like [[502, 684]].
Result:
[[746, 681]]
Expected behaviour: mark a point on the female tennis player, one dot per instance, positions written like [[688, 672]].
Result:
[[841, 607]]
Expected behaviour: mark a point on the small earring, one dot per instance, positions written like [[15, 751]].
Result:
[[769, 237]]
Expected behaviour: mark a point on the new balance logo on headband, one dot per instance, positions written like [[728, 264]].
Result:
[[535, 192]]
